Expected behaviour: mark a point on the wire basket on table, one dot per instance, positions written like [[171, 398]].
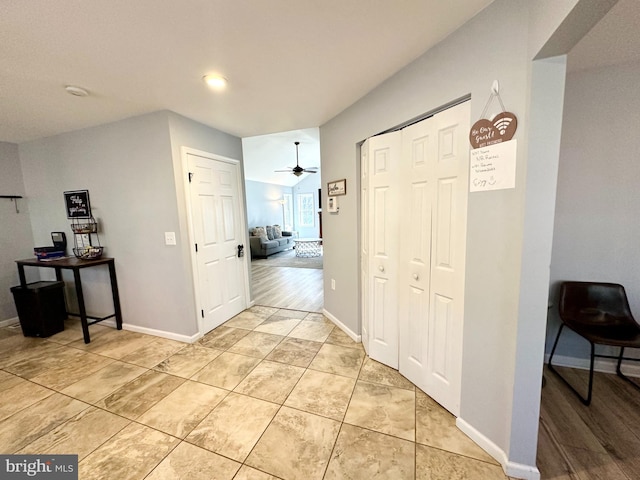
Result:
[[79, 228], [88, 253]]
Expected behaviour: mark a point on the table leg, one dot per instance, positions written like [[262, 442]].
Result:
[[116, 295], [81, 307], [23, 279], [59, 279]]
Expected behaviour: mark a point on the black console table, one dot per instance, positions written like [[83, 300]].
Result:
[[75, 265]]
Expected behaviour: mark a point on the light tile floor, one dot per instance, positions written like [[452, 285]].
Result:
[[271, 394]]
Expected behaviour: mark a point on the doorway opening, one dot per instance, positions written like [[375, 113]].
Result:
[[284, 216]]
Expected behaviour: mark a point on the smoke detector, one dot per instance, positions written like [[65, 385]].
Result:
[[76, 91]]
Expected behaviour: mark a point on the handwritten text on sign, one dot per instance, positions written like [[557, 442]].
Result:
[[493, 167]]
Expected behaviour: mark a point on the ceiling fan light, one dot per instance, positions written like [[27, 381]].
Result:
[[298, 170]]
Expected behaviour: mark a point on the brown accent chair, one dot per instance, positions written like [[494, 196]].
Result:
[[600, 313]]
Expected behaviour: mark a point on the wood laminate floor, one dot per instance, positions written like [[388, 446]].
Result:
[[288, 287], [601, 441]]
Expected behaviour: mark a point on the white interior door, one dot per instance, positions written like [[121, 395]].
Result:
[[431, 278], [383, 238], [414, 196], [364, 243], [448, 251], [218, 230], [417, 176]]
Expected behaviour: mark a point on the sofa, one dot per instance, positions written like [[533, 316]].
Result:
[[265, 241]]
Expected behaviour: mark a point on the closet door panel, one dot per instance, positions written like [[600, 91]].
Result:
[[441, 330], [443, 234], [414, 198], [364, 243], [415, 253], [448, 257], [384, 155]]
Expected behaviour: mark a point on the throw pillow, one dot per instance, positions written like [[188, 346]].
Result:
[[269, 232], [277, 231], [259, 232]]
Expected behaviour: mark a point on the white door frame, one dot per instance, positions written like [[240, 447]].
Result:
[[184, 152]]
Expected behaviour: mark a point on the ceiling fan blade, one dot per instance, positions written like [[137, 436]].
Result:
[[298, 170]]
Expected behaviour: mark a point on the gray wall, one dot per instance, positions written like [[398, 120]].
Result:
[[496, 348], [185, 132], [131, 170], [16, 239], [262, 203], [596, 221]]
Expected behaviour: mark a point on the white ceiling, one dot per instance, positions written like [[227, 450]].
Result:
[[614, 40], [264, 154], [291, 64]]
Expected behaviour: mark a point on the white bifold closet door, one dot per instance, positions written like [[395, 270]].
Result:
[[382, 238], [414, 212]]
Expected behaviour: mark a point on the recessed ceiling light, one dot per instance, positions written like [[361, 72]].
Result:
[[217, 82], [76, 91]]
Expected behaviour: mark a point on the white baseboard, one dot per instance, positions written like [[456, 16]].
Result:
[[604, 365], [518, 470], [482, 441], [152, 331], [9, 321], [512, 469], [354, 336]]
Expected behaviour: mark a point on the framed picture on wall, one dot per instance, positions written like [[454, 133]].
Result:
[[338, 187]]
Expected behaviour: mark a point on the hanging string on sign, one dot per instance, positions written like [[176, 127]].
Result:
[[501, 128]]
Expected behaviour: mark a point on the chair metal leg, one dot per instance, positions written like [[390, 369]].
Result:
[[587, 400], [619, 371]]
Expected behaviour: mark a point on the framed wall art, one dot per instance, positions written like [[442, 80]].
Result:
[[338, 187]]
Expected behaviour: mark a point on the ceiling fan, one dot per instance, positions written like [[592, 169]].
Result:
[[298, 170]]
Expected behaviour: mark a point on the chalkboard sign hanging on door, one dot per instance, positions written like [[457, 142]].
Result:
[[77, 204]]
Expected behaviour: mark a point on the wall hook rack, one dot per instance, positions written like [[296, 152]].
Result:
[[14, 199]]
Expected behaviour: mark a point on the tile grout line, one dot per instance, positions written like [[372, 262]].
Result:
[[281, 405], [261, 360], [89, 405], [345, 415]]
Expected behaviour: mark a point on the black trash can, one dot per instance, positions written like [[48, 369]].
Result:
[[41, 308]]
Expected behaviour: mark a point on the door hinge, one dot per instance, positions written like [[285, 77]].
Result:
[[190, 176], [196, 248], [202, 313]]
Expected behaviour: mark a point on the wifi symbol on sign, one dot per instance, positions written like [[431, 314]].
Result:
[[502, 124]]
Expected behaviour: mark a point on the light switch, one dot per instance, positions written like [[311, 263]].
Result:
[[169, 238]]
